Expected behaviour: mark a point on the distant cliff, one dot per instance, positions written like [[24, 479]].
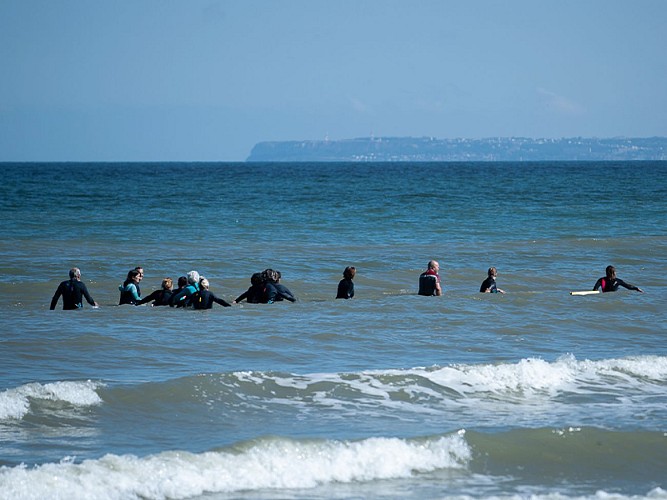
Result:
[[491, 149]]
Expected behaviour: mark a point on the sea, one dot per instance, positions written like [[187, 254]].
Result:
[[534, 393]]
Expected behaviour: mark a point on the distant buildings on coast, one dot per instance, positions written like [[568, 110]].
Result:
[[413, 149]]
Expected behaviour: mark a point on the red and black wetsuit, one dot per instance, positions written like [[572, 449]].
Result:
[[608, 285]]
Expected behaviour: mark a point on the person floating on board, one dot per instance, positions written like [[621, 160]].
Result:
[[162, 296], [429, 280], [129, 290], [610, 283], [346, 286], [72, 291], [206, 298], [489, 284]]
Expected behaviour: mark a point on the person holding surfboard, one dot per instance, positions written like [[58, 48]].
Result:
[[610, 283]]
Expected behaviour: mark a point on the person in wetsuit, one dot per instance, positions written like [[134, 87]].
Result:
[[205, 298], [129, 290], [72, 291], [489, 284], [160, 297], [429, 280], [254, 294], [610, 283], [274, 291], [140, 277], [346, 286], [185, 296]]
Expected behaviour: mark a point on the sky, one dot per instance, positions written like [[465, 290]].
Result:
[[205, 80]]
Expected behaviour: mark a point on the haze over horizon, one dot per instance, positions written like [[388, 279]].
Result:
[[207, 80]]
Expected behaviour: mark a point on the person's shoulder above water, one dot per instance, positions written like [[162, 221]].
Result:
[[73, 291], [346, 285], [429, 280], [610, 283], [489, 284]]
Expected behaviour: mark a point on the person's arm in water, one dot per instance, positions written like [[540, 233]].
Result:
[[241, 297], [86, 294], [153, 296], [56, 296], [629, 286], [220, 301]]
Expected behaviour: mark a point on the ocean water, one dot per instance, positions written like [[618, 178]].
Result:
[[534, 393]]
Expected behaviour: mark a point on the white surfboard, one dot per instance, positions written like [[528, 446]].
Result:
[[586, 292]]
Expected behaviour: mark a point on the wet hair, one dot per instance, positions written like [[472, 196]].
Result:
[[182, 281], [131, 275], [74, 273], [349, 272], [610, 271], [203, 282], [256, 279], [431, 264], [269, 275], [193, 277], [167, 284], [492, 271]]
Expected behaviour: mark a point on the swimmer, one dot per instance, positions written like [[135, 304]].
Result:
[[129, 290], [275, 291], [72, 291], [183, 298], [160, 297], [489, 284], [429, 280], [252, 295], [206, 298], [346, 286], [610, 283]]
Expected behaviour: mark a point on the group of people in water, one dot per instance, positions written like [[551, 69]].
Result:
[[265, 288], [194, 291]]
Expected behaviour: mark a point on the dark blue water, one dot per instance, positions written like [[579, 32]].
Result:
[[535, 392]]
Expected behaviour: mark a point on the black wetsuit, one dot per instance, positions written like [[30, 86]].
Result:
[[275, 292], [345, 289], [73, 291], [608, 285], [158, 297], [253, 294], [427, 283], [489, 283], [184, 297], [205, 299]]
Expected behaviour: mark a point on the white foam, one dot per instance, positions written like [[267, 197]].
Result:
[[15, 403], [274, 464], [531, 380]]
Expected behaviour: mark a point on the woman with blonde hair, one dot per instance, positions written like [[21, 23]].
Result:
[[162, 296]]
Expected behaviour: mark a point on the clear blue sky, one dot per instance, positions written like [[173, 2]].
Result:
[[154, 80]]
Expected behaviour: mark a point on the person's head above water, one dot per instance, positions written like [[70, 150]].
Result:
[[610, 271], [193, 277]]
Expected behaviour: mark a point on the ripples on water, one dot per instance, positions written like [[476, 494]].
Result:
[[535, 376]]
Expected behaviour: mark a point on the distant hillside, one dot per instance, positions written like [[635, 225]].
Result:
[[492, 149]]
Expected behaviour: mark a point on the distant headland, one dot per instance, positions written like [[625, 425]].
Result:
[[394, 149]]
